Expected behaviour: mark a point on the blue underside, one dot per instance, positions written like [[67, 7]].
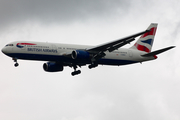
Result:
[[67, 60]]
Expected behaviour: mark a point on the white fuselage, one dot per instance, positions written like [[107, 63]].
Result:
[[56, 52]]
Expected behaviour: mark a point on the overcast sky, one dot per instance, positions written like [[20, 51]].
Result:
[[147, 91]]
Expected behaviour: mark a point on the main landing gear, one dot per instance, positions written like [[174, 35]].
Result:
[[76, 72], [92, 66], [15, 60]]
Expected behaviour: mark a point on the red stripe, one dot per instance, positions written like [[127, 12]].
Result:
[[152, 32], [142, 48], [26, 44]]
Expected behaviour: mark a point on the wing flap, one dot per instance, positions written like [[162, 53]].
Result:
[[120, 45]]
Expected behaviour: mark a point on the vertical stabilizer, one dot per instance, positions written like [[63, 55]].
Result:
[[145, 42]]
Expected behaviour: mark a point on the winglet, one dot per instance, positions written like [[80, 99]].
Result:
[[157, 52]]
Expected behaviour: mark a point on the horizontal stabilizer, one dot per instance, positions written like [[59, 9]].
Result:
[[157, 52]]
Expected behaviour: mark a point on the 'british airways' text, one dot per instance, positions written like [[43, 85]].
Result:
[[41, 50]]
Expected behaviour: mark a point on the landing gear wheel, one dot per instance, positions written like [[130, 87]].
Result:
[[76, 72], [92, 66], [16, 64]]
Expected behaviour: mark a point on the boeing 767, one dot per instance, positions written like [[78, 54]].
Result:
[[111, 53]]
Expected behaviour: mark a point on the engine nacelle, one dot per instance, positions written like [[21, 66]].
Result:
[[80, 54], [52, 67]]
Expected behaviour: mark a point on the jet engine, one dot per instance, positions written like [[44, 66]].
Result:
[[52, 67], [80, 54]]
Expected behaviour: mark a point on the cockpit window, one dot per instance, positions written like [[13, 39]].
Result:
[[9, 45]]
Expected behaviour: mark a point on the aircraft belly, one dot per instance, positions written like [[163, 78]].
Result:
[[115, 62]]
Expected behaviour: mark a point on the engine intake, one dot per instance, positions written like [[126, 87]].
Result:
[[52, 67], [80, 54]]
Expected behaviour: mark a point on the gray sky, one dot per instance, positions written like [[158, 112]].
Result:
[[149, 91]]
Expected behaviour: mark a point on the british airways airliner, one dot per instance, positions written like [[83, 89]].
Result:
[[111, 53]]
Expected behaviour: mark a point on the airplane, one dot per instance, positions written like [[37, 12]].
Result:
[[74, 56]]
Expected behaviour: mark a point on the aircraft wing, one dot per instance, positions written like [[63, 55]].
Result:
[[111, 46], [99, 50]]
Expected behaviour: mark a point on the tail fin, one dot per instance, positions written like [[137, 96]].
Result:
[[145, 42]]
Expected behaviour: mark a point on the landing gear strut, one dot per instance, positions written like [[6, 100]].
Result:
[[15, 60], [76, 72]]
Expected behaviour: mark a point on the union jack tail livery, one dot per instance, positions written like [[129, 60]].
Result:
[[145, 42]]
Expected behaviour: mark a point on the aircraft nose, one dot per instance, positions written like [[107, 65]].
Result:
[[4, 50]]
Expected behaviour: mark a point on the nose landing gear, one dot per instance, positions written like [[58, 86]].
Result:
[[16, 64], [15, 60]]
